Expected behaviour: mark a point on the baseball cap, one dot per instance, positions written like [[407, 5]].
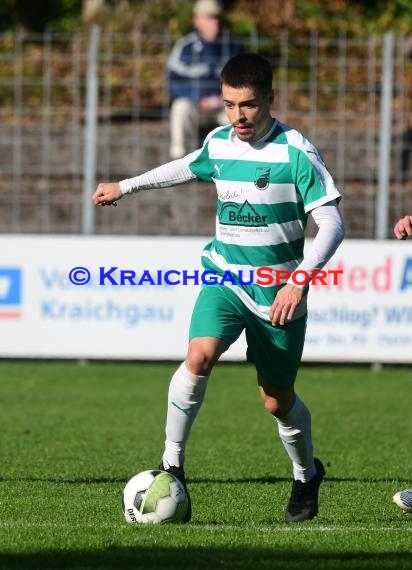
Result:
[[207, 8]]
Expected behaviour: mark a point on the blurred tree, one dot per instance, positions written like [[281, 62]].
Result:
[[34, 17], [7, 14], [37, 16], [328, 17], [92, 9], [355, 17]]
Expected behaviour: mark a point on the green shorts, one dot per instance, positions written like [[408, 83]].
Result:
[[276, 351]]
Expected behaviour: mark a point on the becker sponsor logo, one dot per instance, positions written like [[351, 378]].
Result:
[[233, 214]]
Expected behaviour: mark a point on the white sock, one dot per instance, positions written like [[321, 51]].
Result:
[[295, 433], [186, 393]]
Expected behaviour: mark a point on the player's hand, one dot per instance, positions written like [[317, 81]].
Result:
[[285, 303], [106, 194], [403, 228]]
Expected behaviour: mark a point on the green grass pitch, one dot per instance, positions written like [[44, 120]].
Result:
[[72, 435]]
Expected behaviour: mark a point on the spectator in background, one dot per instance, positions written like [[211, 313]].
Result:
[[193, 69]]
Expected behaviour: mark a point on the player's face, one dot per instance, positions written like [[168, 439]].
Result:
[[249, 112], [207, 26]]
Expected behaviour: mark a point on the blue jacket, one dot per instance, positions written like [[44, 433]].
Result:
[[194, 66]]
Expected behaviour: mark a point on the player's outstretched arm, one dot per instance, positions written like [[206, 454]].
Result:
[[403, 227], [107, 193]]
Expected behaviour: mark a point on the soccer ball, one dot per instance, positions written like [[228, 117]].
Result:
[[154, 496]]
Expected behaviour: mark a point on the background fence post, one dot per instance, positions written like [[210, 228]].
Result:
[[385, 136], [90, 132]]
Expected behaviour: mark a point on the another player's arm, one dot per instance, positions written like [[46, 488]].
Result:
[[330, 234], [403, 227], [169, 174]]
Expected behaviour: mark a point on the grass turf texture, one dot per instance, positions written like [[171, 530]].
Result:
[[71, 436]]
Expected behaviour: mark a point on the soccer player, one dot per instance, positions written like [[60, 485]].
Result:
[[403, 230], [268, 178]]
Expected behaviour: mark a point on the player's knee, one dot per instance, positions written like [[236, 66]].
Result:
[[199, 361], [272, 406], [280, 403]]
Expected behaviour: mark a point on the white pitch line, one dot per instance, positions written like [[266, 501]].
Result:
[[319, 529], [216, 528]]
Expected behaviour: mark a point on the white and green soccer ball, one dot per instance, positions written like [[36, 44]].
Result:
[[154, 496]]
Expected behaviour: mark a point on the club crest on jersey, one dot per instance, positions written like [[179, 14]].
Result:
[[262, 177]]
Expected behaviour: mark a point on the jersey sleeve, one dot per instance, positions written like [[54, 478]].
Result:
[[330, 234], [200, 163], [313, 180], [170, 174]]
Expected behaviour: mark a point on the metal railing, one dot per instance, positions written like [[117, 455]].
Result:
[[335, 91]]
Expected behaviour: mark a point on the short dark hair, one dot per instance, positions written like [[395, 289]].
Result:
[[248, 70]]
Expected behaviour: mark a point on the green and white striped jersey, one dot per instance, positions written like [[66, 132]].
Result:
[[265, 192]]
